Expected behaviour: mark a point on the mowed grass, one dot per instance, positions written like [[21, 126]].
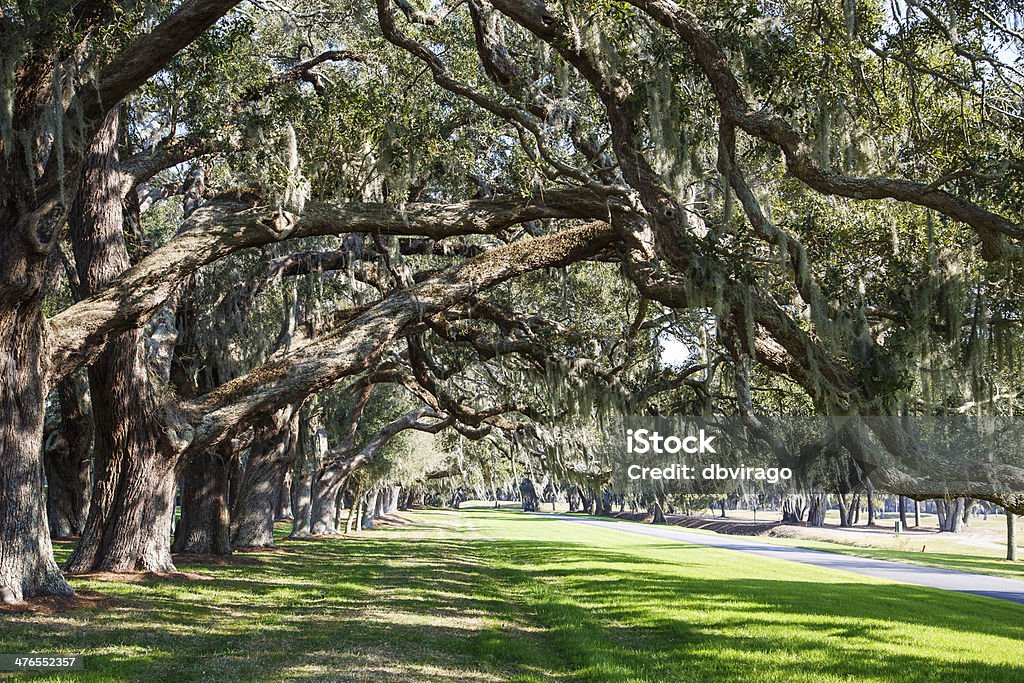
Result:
[[975, 561], [949, 551], [502, 596], [943, 550], [939, 550]]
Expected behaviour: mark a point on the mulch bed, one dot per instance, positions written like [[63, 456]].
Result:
[[57, 604], [219, 560], [722, 526], [138, 577]]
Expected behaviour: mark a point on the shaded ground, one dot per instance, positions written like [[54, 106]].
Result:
[[54, 604], [503, 596]]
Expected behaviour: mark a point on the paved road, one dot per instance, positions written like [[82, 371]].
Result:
[[918, 575]]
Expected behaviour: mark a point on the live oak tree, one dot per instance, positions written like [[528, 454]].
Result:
[[827, 197], [844, 363], [43, 157], [59, 88], [67, 458]]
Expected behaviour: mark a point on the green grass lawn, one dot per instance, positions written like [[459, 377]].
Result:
[[500, 596], [959, 561], [941, 551]]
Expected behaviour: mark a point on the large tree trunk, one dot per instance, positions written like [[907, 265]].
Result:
[[158, 520], [391, 501], [844, 511], [128, 527], [957, 515], [793, 508], [302, 504], [326, 488], [27, 567], [353, 511], [252, 514], [818, 508], [369, 508], [383, 501], [659, 510], [283, 502], [529, 494], [311, 453], [129, 524], [67, 459], [951, 514], [205, 525]]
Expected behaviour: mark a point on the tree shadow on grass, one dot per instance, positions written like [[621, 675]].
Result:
[[861, 599], [394, 607]]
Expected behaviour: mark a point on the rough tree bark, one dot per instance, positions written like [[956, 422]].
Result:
[[369, 509], [27, 567], [283, 499], [329, 477], [128, 527], [272, 451], [67, 458], [338, 470], [323, 515], [205, 524], [951, 514], [311, 453], [817, 510]]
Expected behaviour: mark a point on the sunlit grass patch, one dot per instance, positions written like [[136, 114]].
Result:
[[483, 595]]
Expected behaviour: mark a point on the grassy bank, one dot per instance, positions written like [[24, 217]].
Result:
[[945, 551], [960, 561], [500, 596]]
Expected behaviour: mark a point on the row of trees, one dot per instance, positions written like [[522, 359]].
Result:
[[244, 242]]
